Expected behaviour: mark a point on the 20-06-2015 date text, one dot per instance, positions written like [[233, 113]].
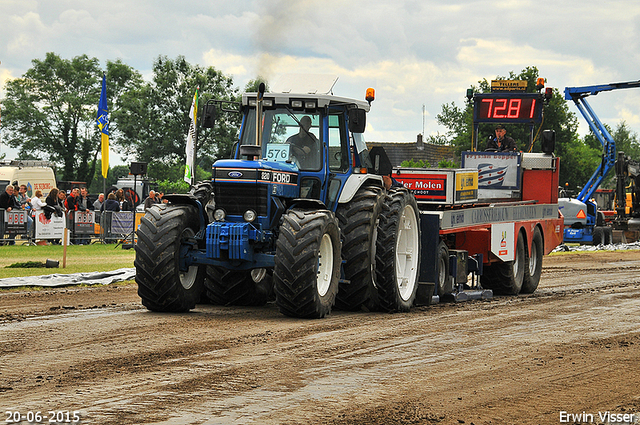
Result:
[[47, 417]]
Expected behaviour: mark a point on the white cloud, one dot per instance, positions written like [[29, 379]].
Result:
[[413, 52]]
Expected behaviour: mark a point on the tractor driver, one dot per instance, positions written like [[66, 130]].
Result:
[[502, 142], [305, 146]]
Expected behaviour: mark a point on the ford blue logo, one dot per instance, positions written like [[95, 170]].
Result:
[[235, 174]]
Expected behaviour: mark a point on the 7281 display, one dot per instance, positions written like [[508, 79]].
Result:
[[520, 108]]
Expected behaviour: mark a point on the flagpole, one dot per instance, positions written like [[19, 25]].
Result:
[[195, 150]]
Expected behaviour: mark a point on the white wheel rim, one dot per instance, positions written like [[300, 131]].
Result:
[[188, 278], [406, 253], [325, 265], [533, 259], [441, 271]]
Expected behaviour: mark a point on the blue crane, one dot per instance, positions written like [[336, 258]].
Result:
[[581, 224]]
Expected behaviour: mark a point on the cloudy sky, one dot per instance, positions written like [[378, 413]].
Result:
[[418, 55]]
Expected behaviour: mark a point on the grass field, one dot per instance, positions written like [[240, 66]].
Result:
[[80, 259]]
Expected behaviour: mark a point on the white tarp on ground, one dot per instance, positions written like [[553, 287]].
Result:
[[611, 247], [57, 279]]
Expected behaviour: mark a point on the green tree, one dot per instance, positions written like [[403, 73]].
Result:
[[626, 141], [578, 158], [97, 185], [153, 119], [49, 113]]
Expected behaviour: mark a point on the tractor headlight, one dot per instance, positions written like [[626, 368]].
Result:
[[219, 214], [249, 216]]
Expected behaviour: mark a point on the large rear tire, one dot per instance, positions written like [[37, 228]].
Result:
[[307, 263], [358, 223], [236, 287], [533, 268], [167, 234], [398, 251], [506, 278]]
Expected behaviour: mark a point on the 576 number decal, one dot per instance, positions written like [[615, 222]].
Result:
[[277, 152]]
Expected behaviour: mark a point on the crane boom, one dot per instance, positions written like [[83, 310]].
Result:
[[579, 95]]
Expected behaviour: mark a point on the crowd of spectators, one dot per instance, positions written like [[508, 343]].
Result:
[[59, 203]]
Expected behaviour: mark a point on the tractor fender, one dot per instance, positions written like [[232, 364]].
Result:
[[189, 199], [313, 204], [355, 182]]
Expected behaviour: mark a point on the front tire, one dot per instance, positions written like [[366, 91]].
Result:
[[398, 251], [167, 234], [598, 235], [358, 224], [307, 263]]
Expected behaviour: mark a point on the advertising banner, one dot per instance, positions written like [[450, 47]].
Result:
[[49, 228], [122, 222], [15, 222], [84, 222]]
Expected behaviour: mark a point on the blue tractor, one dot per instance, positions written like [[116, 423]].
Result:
[[301, 214]]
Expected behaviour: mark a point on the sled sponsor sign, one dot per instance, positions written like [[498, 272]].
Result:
[[440, 186], [503, 241]]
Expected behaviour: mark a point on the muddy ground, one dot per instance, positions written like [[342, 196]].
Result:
[[572, 347]]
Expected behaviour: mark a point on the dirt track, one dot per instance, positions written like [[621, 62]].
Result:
[[573, 346]]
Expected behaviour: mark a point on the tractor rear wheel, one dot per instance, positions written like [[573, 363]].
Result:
[[307, 263], [398, 251], [359, 226], [165, 236]]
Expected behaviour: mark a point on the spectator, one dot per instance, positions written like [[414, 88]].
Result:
[[22, 197], [83, 200], [24, 202], [127, 204], [71, 203], [52, 202], [84, 205], [97, 205], [62, 200], [55, 205], [151, 200], [8, 200], [37, 204], [111, 204], [120, 197]]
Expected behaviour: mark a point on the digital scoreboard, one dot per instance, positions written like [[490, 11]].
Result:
[[508, 107]]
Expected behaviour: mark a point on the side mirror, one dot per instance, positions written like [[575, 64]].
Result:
[[209, 112], [548, 141], [357, 120]]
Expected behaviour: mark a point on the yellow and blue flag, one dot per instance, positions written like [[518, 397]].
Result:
[[103, 124]]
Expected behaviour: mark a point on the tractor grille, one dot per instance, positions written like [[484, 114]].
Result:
[[236, 198]]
